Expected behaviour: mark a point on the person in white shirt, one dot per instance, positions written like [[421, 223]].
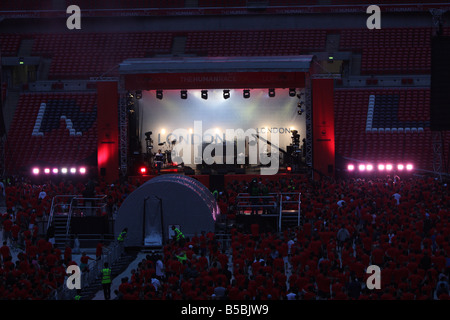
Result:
[[290, 243], [155, 282], [159, 268], [42, 194], [291, 296], [397, 197]]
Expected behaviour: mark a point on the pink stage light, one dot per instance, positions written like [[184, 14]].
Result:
[[73, 170], [55, 170], [36, 171], [389, 167], [362, 167], [369, 167], [350, 167], [47, 170], [381, 167], [82, 170], [64, 170], [400, 167], [409, 167]]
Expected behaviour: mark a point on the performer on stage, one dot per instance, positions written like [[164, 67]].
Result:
[[159, 158]]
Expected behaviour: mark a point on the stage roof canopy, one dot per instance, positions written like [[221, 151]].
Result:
[[217, 64], [215, 72]]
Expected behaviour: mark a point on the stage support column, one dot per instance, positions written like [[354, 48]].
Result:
[[108, 131], [323, 126]]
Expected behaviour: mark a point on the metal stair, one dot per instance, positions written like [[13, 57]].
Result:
[[60, 225], [117, 268], [289, 219]]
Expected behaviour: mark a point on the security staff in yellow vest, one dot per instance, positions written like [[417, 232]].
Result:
[[122, 235], [106, 281], [182, 257], [179, 236], [78, 296]]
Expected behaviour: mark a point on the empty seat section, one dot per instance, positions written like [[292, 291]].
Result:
[[387, 139], [59, 113]]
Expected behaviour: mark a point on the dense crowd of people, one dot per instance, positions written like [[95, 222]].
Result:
[[38, 267], [400, 225]]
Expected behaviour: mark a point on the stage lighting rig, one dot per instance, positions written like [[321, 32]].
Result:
[[130, 102], [300, 108], [292, 92], [205, 94], [159, 94], [295, 138], [183, 94], [138, 95], [271, 92], [226, 94], [246, 93]]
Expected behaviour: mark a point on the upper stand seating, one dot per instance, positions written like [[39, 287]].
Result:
[[390, 136], [52, 128]]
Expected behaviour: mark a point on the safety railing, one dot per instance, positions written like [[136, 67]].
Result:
[[275, 202], [58, 203], [110, 254], [289, 198], [245, 201], [79, 203]]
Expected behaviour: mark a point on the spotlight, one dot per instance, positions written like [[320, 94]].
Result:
[[361, 167], [159, 94], [400, 167], [289, 169], [389, 167], [147, 135], [138, 94], [130, 95], [409, 167], [82, 170], [35, 170], [73, 170], [272, 93], [64, 170], [369, 167], [246, 93], [330, 59], [300, 112], [205, 94], [292, 92], [226, 94], [183, 94], [55, 170], [143, 170], [350, 167], [46, 170], [381, 167]]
